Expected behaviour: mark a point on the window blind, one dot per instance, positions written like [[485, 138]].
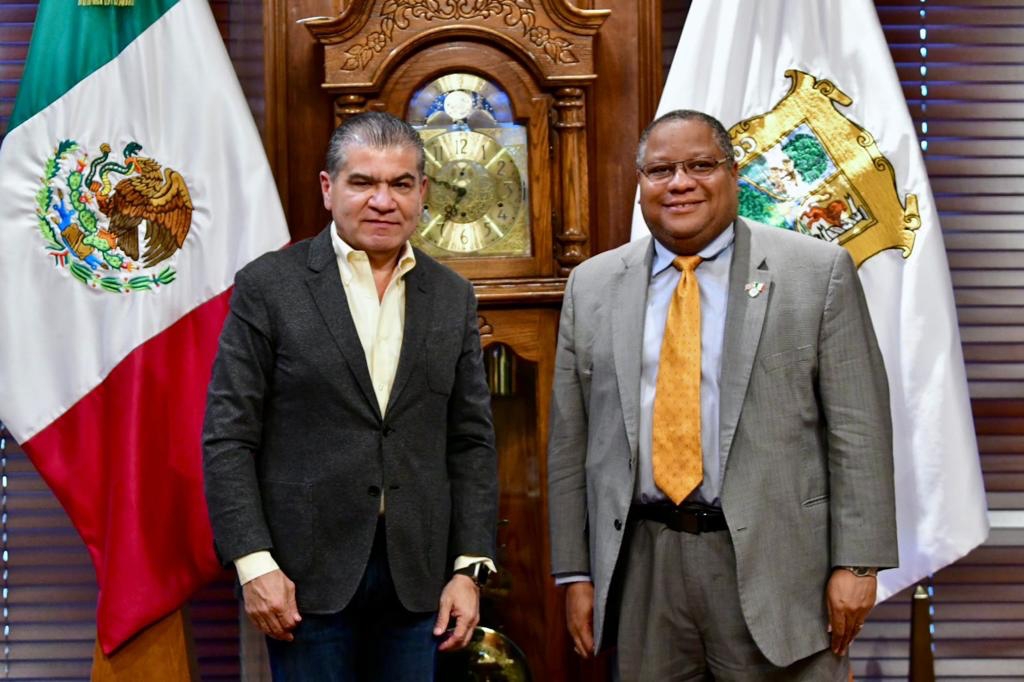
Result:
[[962, 69], [961, 65]]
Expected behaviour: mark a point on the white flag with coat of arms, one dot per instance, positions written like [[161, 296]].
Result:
[[825, 146]]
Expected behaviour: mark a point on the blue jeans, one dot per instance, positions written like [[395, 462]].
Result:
[[374, 639]]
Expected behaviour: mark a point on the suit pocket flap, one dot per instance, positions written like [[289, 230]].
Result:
[[787, 357], [816, 500]]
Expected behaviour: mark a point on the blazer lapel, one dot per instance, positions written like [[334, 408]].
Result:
[[329, 295], [629, 306], [750, 289], [417, 321]]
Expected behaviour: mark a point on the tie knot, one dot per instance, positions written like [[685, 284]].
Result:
[[687, 263]]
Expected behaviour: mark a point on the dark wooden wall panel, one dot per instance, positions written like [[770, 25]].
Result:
[[299, 114], [635, 49]]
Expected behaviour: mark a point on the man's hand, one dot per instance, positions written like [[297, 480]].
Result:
[[849, 600], [579, 614], [460, 600], [270, 604]]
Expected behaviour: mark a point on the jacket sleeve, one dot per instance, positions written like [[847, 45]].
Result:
[[567, 452], [472, 460], [855, 401], [233, 427]]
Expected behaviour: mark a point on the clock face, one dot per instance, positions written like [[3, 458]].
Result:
[[477, 195]]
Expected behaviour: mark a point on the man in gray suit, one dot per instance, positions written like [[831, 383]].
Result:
[[351, 474], [766, 569]]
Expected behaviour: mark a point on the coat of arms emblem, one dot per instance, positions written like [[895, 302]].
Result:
[[113, 223], [804, 166]]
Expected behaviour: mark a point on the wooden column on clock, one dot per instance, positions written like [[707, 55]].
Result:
[[582, 97]]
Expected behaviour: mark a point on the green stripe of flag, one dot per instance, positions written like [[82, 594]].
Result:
[[70, 42]]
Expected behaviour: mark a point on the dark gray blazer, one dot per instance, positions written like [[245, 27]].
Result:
[[804, 428], [296, 452]]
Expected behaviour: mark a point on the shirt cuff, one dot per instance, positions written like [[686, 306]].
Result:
[[464, 560], [254, 565], [569, 578]]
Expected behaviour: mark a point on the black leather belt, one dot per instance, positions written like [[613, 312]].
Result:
[[688, 517]]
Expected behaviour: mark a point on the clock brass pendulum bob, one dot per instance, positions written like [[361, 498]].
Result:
[[501, 370]]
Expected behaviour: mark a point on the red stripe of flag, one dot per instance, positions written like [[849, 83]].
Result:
[[126, 463]]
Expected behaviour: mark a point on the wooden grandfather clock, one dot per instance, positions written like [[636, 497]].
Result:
[[498, 91]]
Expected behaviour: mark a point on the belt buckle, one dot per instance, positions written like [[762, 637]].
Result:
[[699, 521], [686, 521]]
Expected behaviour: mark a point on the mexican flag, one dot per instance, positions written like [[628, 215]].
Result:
[[134, 187], [825, 146]]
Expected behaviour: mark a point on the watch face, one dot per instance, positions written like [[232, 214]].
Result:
[[477, 194]]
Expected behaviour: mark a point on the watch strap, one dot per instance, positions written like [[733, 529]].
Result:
[[477, 572], [862, 571]]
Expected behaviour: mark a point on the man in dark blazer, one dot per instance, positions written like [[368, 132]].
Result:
[[349, 452], [766, 569]]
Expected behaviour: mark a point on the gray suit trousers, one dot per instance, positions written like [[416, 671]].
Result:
[[681, 618]]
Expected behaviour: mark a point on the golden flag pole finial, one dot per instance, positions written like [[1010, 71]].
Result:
[[113, 3]]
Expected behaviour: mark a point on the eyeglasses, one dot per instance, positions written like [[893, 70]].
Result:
[[663, 171]]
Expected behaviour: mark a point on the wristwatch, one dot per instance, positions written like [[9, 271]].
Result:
[[862, 571], [478, 573]]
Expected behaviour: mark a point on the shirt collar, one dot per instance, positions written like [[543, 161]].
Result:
[[346, 255], [663, 257]]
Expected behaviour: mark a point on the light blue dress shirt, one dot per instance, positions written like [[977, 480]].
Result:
[[713, 280]]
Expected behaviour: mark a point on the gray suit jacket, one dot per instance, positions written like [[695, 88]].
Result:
[[804, 427], [296, 452]]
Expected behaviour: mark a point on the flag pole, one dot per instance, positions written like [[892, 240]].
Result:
[[922, 661], [163, 652]]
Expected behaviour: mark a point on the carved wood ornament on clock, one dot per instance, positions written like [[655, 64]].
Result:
[[497, 89]]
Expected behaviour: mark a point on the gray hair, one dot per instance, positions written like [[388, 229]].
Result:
[[375, 129], [718, 130]]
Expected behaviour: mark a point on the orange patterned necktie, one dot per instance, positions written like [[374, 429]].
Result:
[[676, 450]]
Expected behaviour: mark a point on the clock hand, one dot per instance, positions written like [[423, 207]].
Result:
[[459, 190], [438, 181], [449, 211], [445, 183]]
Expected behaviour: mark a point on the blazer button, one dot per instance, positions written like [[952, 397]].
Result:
[[618, 524], [374, 491]]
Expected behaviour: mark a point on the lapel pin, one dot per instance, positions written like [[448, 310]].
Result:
[[753, 288]]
